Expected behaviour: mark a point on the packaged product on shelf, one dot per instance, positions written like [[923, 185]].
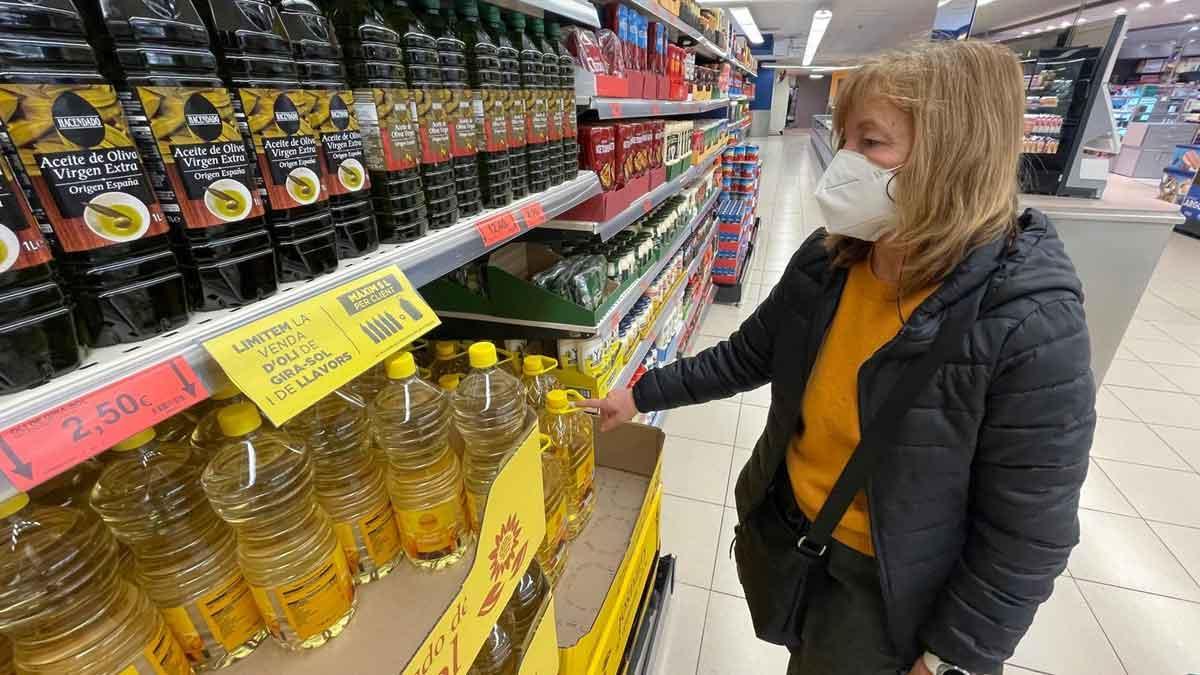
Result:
[[72, 612], [268, 99], [490, 102], [496, 656], [569, 146], [37, 330], [536, 106], [6, 656], [69, 488], [150, 496], [207, 436], [568, 354], [583, 45], [64, 133], [530, 593], [411, 424], [612, 51], [553, 96], [514, 99], [625, 137], [333, 117], [261, 483], [383, 105], [598, 149], [570, 432], [658, 141], [449, 382], [538, 380], [448, 359], [349, 484], [580, 279], [552, 554]]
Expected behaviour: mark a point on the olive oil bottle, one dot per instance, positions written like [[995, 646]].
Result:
[[552, 93], [64, 132], [536, 111], [490, 101], [254, 58], [201, 166], [569, 148], [334, 118], [514, 103], [374, 55]]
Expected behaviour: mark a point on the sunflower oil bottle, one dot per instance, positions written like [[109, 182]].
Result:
[[207, 436], [411, 424], [6, 662], [71, 613], [496, 656], [261, 483], [186, 557], [570, 431], [522, 609], [349, 482], [552, 554], [69, 488], [538, 380], [447, 360], [489, 413]]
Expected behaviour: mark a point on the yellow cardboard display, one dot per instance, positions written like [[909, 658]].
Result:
[[541, 654]]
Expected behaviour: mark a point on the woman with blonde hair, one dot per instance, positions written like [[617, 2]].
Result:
[[915, 492]]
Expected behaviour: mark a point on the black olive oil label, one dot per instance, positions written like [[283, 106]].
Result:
[[517, 119], [82, 164], [285, 144], [199, 163], [570, 125], [21, 243], [464, 138], [536, 113], [389, 128], [491, 116], [433, 127], [334, 118], [554, 109]]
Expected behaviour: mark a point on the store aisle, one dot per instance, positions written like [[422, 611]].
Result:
[[1130, 602]]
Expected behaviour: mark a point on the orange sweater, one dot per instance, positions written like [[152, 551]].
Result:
[[865, 321]]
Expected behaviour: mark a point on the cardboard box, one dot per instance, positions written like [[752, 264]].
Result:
[[541, 646], [598, 596], [607, 205]]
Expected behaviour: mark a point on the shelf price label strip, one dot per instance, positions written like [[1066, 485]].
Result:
[[44, 446], [291, 359], [497, 229]]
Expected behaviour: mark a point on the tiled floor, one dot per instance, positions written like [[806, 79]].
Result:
[[1130, 602]]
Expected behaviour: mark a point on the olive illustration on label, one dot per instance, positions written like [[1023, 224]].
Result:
[[117, 216], [227, 199], [351, 174], [303, 185], [10, 248]]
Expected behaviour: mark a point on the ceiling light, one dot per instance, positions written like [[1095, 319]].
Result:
[[1024, 33], [1080, 21], [1120, 10], [1170, 2], [820, 22], [1065, 24], [943, 3], [981, 3], [815, 76], [1193, 29], [1143, 5], [746, 22], [1188, 17], [1050, 27]]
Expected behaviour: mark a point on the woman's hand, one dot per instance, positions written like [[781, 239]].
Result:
[[615, 409], [919, 668]]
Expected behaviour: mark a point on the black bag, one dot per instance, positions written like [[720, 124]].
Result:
[[781, 564]]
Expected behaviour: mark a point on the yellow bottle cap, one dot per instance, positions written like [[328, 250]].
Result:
[[239, 419], [13, 504], [226, 392], [556, 400], [444, 349], [449, 382], [537, 365], [482, 355], [401, 366], [135, 441]]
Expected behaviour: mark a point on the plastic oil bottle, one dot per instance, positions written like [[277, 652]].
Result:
[[538, 379], [496, 656], [430, 98], [349, 482], [411, 427], [201, 166], [536, 107], [69, 488], [374, 55], [523, 606], [447, 360], [510, 80], [552, 93], [566, 83], [490, 101], [150, 496], [71, 613], [64, 132], [207, 436], [570, 431], [490, 415], [6, 657], [37, 329], [254, 58], [552, 554], [334, 119], [261, 483]]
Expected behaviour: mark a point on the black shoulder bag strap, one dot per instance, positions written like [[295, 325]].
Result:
[[879, 433]]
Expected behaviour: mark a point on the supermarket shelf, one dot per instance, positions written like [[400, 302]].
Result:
[[657, 417], [704, 46], [741, 66], [580, 11], [641, 207], [621, 306], [422, 260], [619, 108]]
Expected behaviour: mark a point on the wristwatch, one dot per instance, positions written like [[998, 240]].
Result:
[[940, 667]]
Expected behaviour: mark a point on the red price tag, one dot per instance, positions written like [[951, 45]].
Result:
[[498, 229], [533, 214], [614, 109], [44, 446], [647, 205], [655, 109]]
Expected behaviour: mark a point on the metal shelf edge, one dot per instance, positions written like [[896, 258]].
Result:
[[576, 10], [621, 108]]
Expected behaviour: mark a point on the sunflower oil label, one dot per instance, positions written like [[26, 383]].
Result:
[[310, 604], [556, 523], [226, 615], [389, 129], [585, 472], [554, 111], [464, 141], [21, 242], [285, 144], [333, 117], [491, 117], [82, 163], [433, 126], [536, 113], [517, 119], [205, 175], [432, 530], [375, 536], [161, 656]]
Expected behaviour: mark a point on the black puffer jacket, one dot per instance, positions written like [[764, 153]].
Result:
[[973, 510]]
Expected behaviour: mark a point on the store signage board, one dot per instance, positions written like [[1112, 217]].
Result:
[[44, 446], [293, 358]]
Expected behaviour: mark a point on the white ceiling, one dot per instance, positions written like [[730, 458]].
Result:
[[1004, 19]]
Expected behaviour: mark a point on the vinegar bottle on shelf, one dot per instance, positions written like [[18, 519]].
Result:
[[489, 413], [538, 380], [411, 421], [496, 656], [64, 605], [186, 557], [337, 433], [207, 436], [261, 483], [523, 607], [514, 105], [570, 432], [552, 554]]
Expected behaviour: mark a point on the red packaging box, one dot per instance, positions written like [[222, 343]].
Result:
[[625, 138], [598, 148], [659, 141]]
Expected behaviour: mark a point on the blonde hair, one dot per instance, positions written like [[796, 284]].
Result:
[[958, 188]]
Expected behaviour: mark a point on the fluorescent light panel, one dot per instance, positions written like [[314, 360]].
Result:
[[745, 21], [820, 22]]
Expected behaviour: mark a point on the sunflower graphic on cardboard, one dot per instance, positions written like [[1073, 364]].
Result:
[[75, 147], [286, 145], [506, 560]]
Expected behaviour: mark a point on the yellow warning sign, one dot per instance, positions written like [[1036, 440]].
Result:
[[291, 359]]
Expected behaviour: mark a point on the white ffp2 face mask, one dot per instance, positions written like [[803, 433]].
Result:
[[853, 196]]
